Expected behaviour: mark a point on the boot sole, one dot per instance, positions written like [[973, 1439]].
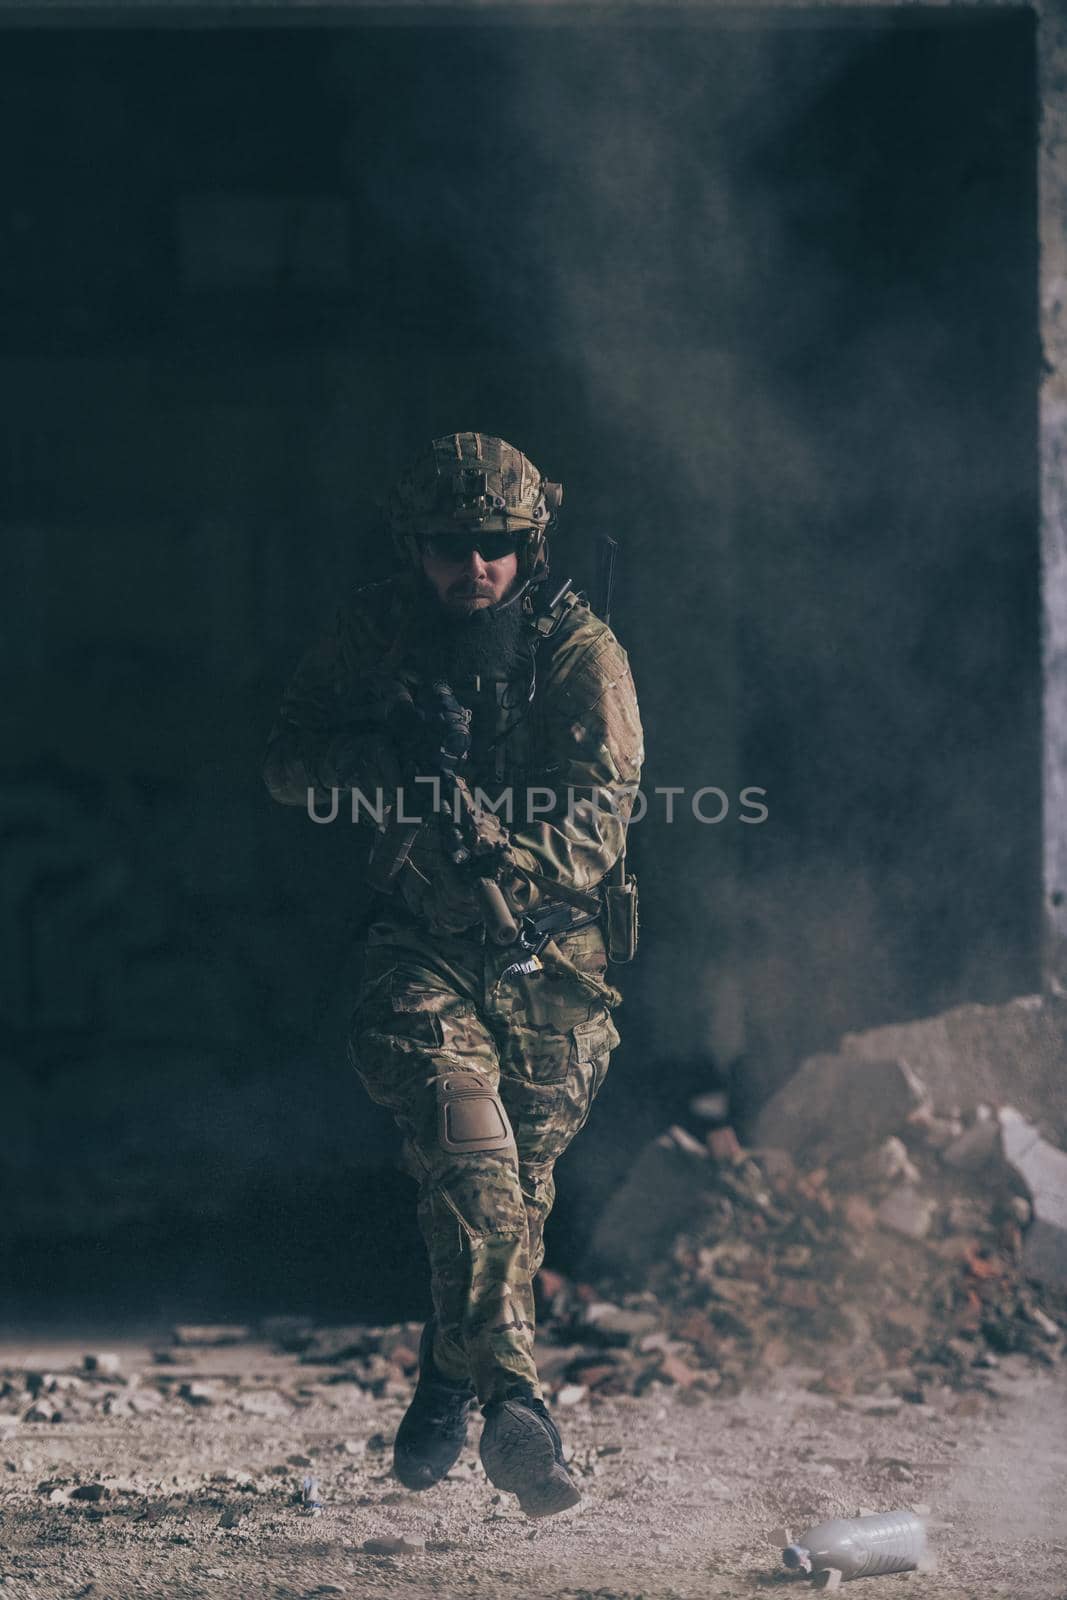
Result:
[[519, 1456]]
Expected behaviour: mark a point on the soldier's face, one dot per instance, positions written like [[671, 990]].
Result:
[[465, 582]]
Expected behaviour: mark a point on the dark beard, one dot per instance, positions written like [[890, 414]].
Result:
[[486, 644]]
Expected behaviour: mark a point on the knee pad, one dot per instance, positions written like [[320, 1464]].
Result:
[[470, 1115]]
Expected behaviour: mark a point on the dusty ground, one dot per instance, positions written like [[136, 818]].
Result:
[[679, 1495]]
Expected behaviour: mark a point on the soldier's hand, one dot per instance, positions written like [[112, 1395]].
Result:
[[449, 724], [432, 734]]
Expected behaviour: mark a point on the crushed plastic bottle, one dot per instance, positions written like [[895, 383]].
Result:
[[862, 1547]]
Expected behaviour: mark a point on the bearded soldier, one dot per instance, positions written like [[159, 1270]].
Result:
[[466, 692]]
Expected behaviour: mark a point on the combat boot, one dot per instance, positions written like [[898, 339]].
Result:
[[433, 1429], [522, 1452]]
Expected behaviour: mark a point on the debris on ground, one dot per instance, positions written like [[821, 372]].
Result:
[[897, 1243], [897, 1272], [866, 1310]]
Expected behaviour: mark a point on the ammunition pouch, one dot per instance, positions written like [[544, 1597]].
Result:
[[620, 917]]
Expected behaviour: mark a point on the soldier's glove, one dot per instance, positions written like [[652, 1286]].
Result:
[[432, 735], [449, 725]]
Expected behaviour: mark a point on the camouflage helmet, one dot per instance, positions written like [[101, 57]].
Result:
[[475, 482]]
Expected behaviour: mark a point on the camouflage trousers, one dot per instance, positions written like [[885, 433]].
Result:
[[489, 1079]]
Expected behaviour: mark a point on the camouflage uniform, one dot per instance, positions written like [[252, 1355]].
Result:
[[489, 1077]]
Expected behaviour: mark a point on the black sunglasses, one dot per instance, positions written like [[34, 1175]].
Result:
[[456, 547]]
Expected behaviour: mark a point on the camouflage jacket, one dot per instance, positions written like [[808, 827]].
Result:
[[576, 748]]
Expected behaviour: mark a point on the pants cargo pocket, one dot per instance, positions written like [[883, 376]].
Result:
[[547, 1114], [394, 1040], [593, 1043]]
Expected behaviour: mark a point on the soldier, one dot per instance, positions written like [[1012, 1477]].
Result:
[[465, 672]]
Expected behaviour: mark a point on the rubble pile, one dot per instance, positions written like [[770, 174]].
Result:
[[889, 1243]]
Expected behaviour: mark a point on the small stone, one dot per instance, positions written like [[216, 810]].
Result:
[[908, 1212], [724, 1147], [974, 1148], [261, 1403], [550, 1284], [346, 1343], [859, 1213], [289, 1332], [571, 1394], [936, 1132], [144, 1401], [678, 1371], [835, 1380], [696, 1328], [352, 1447], [774, 1352], [969, 1405], [600, 1373], [393, 1546], [231, 1517], [879, 1406], [692, 1395], [890, 1163], [618, 1322], [1051, 1330], [104, 1362], [198, 1394], [90, 1491]]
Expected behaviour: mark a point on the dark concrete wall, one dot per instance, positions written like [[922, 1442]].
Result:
[[764, 300]]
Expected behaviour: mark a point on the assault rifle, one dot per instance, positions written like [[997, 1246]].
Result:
[[464, 833]]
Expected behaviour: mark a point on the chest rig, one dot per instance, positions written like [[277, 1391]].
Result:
[[507, 724]]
